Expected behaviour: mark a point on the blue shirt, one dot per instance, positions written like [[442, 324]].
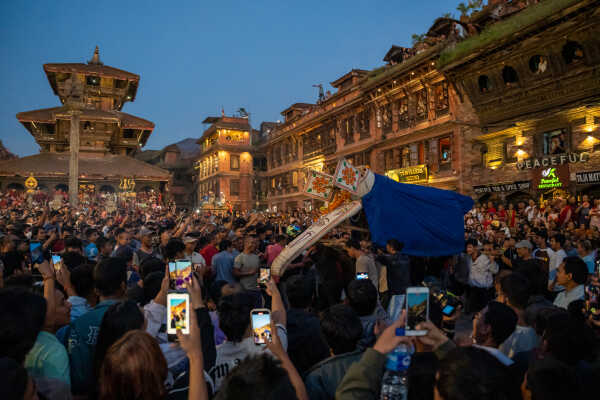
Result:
[[223, 264], [589, 261], [81, 339], [79, 306], [91, 252], [565, 298], [48, 359]]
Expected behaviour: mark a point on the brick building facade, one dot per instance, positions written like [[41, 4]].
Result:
[[225, 163], [485, 106], [403, 120], [536, 96]]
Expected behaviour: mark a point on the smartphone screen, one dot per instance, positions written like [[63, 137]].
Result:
[[417, 309], [184, 271], [448, 310], [172, 274], [362, 275], [37, 254], [180, 274], [178, 316], [263, 276], [261, 325], [56, 261]]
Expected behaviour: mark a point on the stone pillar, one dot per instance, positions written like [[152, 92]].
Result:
[[74, 159]]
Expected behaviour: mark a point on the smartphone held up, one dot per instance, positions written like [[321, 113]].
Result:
[[417, 310], [260, 319], [180, 274], [264, 275], [178, 314], [56, 261], [362, 275]]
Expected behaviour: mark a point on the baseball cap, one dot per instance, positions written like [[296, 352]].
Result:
[[145, 231], [189, 239], [524, 243]]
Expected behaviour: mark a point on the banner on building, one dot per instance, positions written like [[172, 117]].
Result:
[[502, 187], [584, 178], [414, 174], [553, 160]]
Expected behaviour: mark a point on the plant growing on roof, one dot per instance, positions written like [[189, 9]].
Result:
[[416, 38], [462, 8], [471, 7]]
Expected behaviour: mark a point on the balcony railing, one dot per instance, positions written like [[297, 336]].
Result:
[[320, 151]]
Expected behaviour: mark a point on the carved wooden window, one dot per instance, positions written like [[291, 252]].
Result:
[[329, 138], [510, 77], [402, 107], [421, 105], [388, 159], [386, 118], [433, 153], [127, 133], [287, 153], [440, 93], [92, 80], [348, 130], [277, 155], [538, 64], [485, 84], [234, 162], [572, 52], [555, 142], [234, 187], [405, 157], [414, 154], [363, 124], [294, 148], [445, 152], [47, 129]]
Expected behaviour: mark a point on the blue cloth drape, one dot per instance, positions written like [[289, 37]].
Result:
[[429, 221]]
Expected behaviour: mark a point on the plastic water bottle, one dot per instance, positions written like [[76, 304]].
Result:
[[395, 380]]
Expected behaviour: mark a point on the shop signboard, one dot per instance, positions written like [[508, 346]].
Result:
[[414, 174], [502, 187], [585, 178], [553, 160], [551, 178]]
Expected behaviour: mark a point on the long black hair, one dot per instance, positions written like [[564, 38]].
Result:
[[118, 319]]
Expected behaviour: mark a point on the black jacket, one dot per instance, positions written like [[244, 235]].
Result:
[[323, 379], [398, 271], [306, 346]]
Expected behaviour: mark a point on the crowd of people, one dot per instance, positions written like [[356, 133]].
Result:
[[524, 324]]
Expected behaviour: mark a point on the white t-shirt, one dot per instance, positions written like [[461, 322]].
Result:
[[366, 264], [481, 271], [556, 258], [196, 258], [230, 354]]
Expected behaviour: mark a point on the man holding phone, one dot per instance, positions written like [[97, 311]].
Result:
[[364, 263], [245, 266]]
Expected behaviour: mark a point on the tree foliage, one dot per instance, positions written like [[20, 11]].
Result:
[[416, 38], [469, 8]]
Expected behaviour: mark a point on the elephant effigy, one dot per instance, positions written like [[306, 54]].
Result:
[[429, 221]]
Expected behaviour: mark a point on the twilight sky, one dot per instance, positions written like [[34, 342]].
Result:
[[195, 57]]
